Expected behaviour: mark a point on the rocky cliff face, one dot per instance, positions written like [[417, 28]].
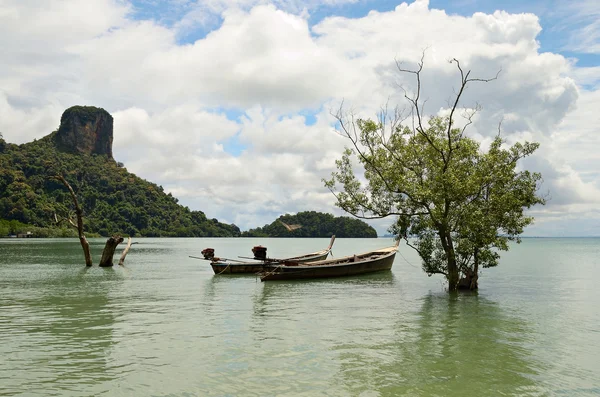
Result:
[[85, 129]]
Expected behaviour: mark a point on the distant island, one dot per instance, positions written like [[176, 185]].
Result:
[[32, 204], [313, 224]]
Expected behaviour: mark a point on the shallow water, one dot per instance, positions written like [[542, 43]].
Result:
[[165, 325]]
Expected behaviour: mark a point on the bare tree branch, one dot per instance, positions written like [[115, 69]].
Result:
[[415, 103], [465, 79], [79, 213], [500, 125]]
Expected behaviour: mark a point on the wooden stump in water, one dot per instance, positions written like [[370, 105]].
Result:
[[125, 251], [109, 251], [111, 243]]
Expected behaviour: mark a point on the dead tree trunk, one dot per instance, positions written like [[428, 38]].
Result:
[[125, 251], [109, 251], [111, 243], [79, 213]]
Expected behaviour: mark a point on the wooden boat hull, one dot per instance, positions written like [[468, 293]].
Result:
[[236, 268], [332, 268], [256, 267]]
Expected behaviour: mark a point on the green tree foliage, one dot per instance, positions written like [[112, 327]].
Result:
[[314, 224], [113, 200], [14, 227], [5, 228], [456, 204]]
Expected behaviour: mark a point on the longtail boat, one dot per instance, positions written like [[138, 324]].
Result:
[[260, 261], [368, 262]]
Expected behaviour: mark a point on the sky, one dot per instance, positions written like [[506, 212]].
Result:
[[228, 103]]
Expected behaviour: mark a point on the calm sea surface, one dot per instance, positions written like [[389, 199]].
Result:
[[164, 325]]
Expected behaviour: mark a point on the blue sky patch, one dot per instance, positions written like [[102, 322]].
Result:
[[233, 146], [310, 117]]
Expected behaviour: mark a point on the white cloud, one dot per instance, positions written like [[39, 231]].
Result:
[[37, 66], [264, 56], [575, 143], [23, 124], [171, 145]]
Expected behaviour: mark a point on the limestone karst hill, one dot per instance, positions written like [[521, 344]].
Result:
[[85, 130]]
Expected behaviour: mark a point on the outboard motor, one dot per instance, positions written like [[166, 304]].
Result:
[[260, 252], [208, 253]]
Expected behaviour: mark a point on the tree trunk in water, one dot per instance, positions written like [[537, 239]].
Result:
[[79, 212], [125, 251], [111, 243], [453, 274], [469, 281], [473, 284], [109, 251], [86, 250]]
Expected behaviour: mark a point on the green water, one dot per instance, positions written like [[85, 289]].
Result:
[[166, 326]]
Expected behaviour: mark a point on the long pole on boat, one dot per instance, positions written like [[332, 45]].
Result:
[[219, 259]]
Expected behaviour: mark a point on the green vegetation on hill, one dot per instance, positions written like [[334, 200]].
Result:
[[113, 200], [314, 224]]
